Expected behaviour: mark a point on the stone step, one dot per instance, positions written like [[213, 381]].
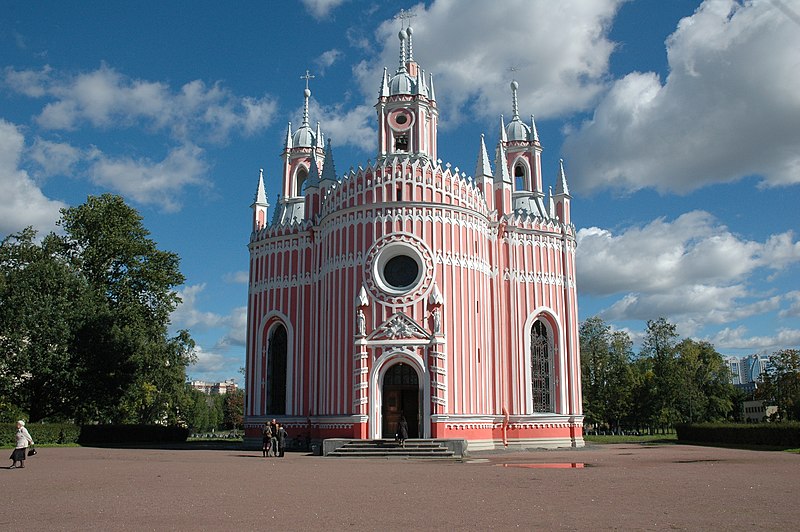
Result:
[[390, 448]]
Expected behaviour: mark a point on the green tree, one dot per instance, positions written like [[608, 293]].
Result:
[[781, 385], [659, 345], [706, 393], [42, 303], [233, 409]]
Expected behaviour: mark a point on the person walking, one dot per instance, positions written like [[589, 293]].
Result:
[[281, 440], [402, 430], [23, 440]]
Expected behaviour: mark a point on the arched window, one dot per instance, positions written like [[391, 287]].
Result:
[[302, 175], [540, 367], [519, 177], [276, 371]]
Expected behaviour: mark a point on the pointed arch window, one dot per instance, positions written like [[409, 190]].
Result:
[[541, 365], [276, 370], [302, 175], [520, 177]]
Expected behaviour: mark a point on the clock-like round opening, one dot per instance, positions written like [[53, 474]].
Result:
[[401, 271], [398, 269], [401, 119]]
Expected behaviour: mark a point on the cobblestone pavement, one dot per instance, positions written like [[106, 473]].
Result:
[[625, 487]]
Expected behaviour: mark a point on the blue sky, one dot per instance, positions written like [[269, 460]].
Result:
[[678, 122]]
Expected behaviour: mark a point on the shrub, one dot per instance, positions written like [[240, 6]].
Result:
[[131, 434], [775, 434], [42, 433]]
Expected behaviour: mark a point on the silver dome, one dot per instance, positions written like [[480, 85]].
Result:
[[518, 130], [303, 137]]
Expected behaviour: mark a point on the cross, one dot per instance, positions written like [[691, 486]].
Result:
[[307, 77], [404, 15], [512, 70]]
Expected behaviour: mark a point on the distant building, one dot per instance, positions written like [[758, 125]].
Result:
[[215, 388], [757, 411], [747, 370]]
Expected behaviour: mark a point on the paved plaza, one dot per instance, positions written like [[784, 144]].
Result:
[[625, 487]]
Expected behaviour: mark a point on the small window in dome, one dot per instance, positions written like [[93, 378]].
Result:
[[401, 143]]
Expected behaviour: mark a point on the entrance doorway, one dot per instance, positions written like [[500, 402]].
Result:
[[401, 397]]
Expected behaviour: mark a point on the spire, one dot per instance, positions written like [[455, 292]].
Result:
[[534, 132], [409, 32], [261, 195], [402, 67], [561, 185], [483, 168], [503, 137], [500, 164], [432, 95], [312, 181], [420, 83], [319, 140], [385, 83], [328, 168], [514, 102], [288, 144]]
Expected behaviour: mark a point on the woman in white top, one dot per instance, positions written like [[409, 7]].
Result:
[[23, 439]]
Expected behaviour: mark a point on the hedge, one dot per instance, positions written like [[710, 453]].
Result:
[[775, 434], [42, 433], [60, 433], [130, 434]]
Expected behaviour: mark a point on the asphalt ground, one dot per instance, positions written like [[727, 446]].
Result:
[[620, 487]]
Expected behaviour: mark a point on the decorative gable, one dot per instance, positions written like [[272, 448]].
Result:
[[399, 328]]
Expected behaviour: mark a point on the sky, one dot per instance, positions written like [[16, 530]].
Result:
[[678, 122]]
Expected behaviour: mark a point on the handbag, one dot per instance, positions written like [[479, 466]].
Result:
[[32, 451]]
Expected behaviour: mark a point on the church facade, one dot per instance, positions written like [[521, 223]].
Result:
[[406, 288]]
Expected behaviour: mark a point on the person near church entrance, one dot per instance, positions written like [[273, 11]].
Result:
[[266, 440], [273, 425], [402, 430], [281, 440]]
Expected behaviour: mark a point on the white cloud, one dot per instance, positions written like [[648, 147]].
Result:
[[728, 109], [208, 362], [320, 9], [353, 127], [240, 277], [187, 315], [22, 202], [152, 183], [327, 59], [105, 98], [55, 158], [794, 306], [560, 49], [693, 268], [737, 338]]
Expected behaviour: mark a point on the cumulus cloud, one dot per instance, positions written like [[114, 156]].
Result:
[[561, 52], [728, 109], [148, 182], [327, 59], [794, 305], [240, 277], [55, 158], [692, 267], [105, 98], [320, 9], [346, 126], [22, 202], [189, 316], [738, 338]]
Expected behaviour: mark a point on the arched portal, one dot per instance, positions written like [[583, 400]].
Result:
[[276, 370], [541, 361], [401, 397]]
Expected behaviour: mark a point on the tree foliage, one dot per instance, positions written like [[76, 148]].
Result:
[[782, 383], [84, 320]]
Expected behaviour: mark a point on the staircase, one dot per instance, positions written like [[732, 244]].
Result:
[[416, 448]]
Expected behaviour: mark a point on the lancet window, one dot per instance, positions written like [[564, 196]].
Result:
[[276, 370], [541, 366]]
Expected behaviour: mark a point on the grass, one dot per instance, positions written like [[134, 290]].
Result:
[[655, 438]]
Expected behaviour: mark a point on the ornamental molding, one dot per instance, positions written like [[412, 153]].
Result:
[[398, 327], [286, 281], [423, 285]]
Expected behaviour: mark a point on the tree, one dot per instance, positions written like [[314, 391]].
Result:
[[42, 302], [706, 393], [781, 385], [659, 346], [233, 408]]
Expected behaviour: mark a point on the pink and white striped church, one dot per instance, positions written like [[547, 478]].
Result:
[[407, 288]]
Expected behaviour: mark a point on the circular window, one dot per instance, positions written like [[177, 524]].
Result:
[[401, 119], [400, 271]]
